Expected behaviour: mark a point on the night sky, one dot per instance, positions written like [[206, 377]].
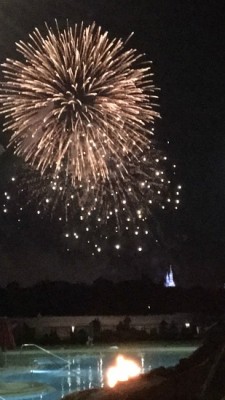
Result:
[[185, 40]]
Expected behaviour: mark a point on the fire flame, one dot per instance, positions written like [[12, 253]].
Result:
[[123, 370]]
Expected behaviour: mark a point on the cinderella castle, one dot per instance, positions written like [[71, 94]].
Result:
[[169, 281]]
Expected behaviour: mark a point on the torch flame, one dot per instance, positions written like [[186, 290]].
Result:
[[123, 370]]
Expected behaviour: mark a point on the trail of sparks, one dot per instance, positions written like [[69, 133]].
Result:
[[115, 201]]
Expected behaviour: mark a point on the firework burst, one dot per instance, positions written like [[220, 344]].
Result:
[[79, 104], [56, 195], [109, 220]]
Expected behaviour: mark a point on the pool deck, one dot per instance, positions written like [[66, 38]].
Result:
[[107, 347]]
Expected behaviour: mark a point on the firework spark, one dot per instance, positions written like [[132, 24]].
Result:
[[79, 103], [144, 189], [118, 223]]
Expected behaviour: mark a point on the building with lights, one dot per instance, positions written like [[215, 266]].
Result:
[[169, 281]]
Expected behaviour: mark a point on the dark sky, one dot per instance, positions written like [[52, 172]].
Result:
[[186, 41]]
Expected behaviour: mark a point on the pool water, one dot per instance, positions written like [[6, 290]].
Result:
[[44, 377]]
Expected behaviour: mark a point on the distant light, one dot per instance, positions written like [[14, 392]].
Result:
[[139, 248], [187, 324], [117, 246]]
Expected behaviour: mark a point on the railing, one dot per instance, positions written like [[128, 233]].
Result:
[[46, 351]]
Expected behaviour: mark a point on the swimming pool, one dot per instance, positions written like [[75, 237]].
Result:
[[35, 375]]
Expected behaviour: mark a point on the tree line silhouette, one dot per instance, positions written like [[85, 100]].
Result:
[[104, 297]]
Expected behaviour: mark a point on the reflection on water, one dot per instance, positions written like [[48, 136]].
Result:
[[86, 371]]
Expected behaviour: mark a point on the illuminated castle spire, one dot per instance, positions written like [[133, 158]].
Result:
[[169, 281]]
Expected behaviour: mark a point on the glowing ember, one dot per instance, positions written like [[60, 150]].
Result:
[[123, 370]]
